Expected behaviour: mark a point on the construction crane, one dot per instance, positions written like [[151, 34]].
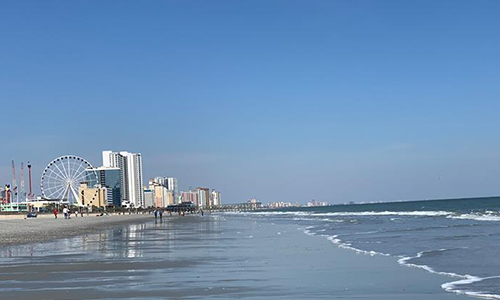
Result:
[[14, 185], [22, 191], [30, 195]]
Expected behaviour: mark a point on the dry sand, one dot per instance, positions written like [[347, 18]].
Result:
[[46, 228]]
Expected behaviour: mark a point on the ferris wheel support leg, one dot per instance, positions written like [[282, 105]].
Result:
[[75, 194]]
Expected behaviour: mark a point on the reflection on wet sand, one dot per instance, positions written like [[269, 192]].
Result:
[[143, 260], [215, 256]]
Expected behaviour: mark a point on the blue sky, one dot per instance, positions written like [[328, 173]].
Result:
[[279, 100]]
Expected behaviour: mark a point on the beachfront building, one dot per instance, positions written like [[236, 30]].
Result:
[[158, 180], [110, 178], [148, 197], [164, 194], [112, 159], [202, 202], [163, 197], [191, 196], [169, 182], [254, 203], [215, 198], [159, 192], [173, 186], [204, 197], [314, 203], [130, 165], [134, 172], [170, 198], [92, 196], [6, 194], [281, 204]]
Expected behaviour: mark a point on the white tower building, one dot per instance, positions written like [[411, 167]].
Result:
[[215, 198], [134, 174], [112, 159], [131, 173], [172, 185]]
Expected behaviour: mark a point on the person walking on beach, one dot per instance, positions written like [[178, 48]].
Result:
[[55, 213]]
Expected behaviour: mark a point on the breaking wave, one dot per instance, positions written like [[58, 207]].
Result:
[[486, 216], [399, 232]]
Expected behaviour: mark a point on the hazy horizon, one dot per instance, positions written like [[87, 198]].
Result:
[[335, 101]]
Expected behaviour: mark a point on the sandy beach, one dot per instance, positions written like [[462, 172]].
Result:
[[45, 228], [194, 257]]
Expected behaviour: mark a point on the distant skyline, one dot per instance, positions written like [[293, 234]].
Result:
[[277, 100]]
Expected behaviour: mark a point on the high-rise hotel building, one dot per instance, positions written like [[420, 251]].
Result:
[[109, 178], [112, 159], [169, 182], [130, 165]]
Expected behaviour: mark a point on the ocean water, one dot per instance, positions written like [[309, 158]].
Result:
[[457, 238], [211, 257]]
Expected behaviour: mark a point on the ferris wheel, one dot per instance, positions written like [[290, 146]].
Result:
[[62, 177]]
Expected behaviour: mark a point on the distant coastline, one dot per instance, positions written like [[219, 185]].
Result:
[[388, 202], [420, 200]]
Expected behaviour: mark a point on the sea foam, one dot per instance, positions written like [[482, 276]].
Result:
[[453, 286], [487, 216], [460, 283]]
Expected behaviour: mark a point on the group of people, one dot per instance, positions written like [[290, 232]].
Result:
[[158, 213], [66, 212]]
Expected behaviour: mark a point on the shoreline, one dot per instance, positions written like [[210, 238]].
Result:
[[17, 231], [216, 256]]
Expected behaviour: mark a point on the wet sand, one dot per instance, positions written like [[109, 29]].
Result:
[[215, 256]]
